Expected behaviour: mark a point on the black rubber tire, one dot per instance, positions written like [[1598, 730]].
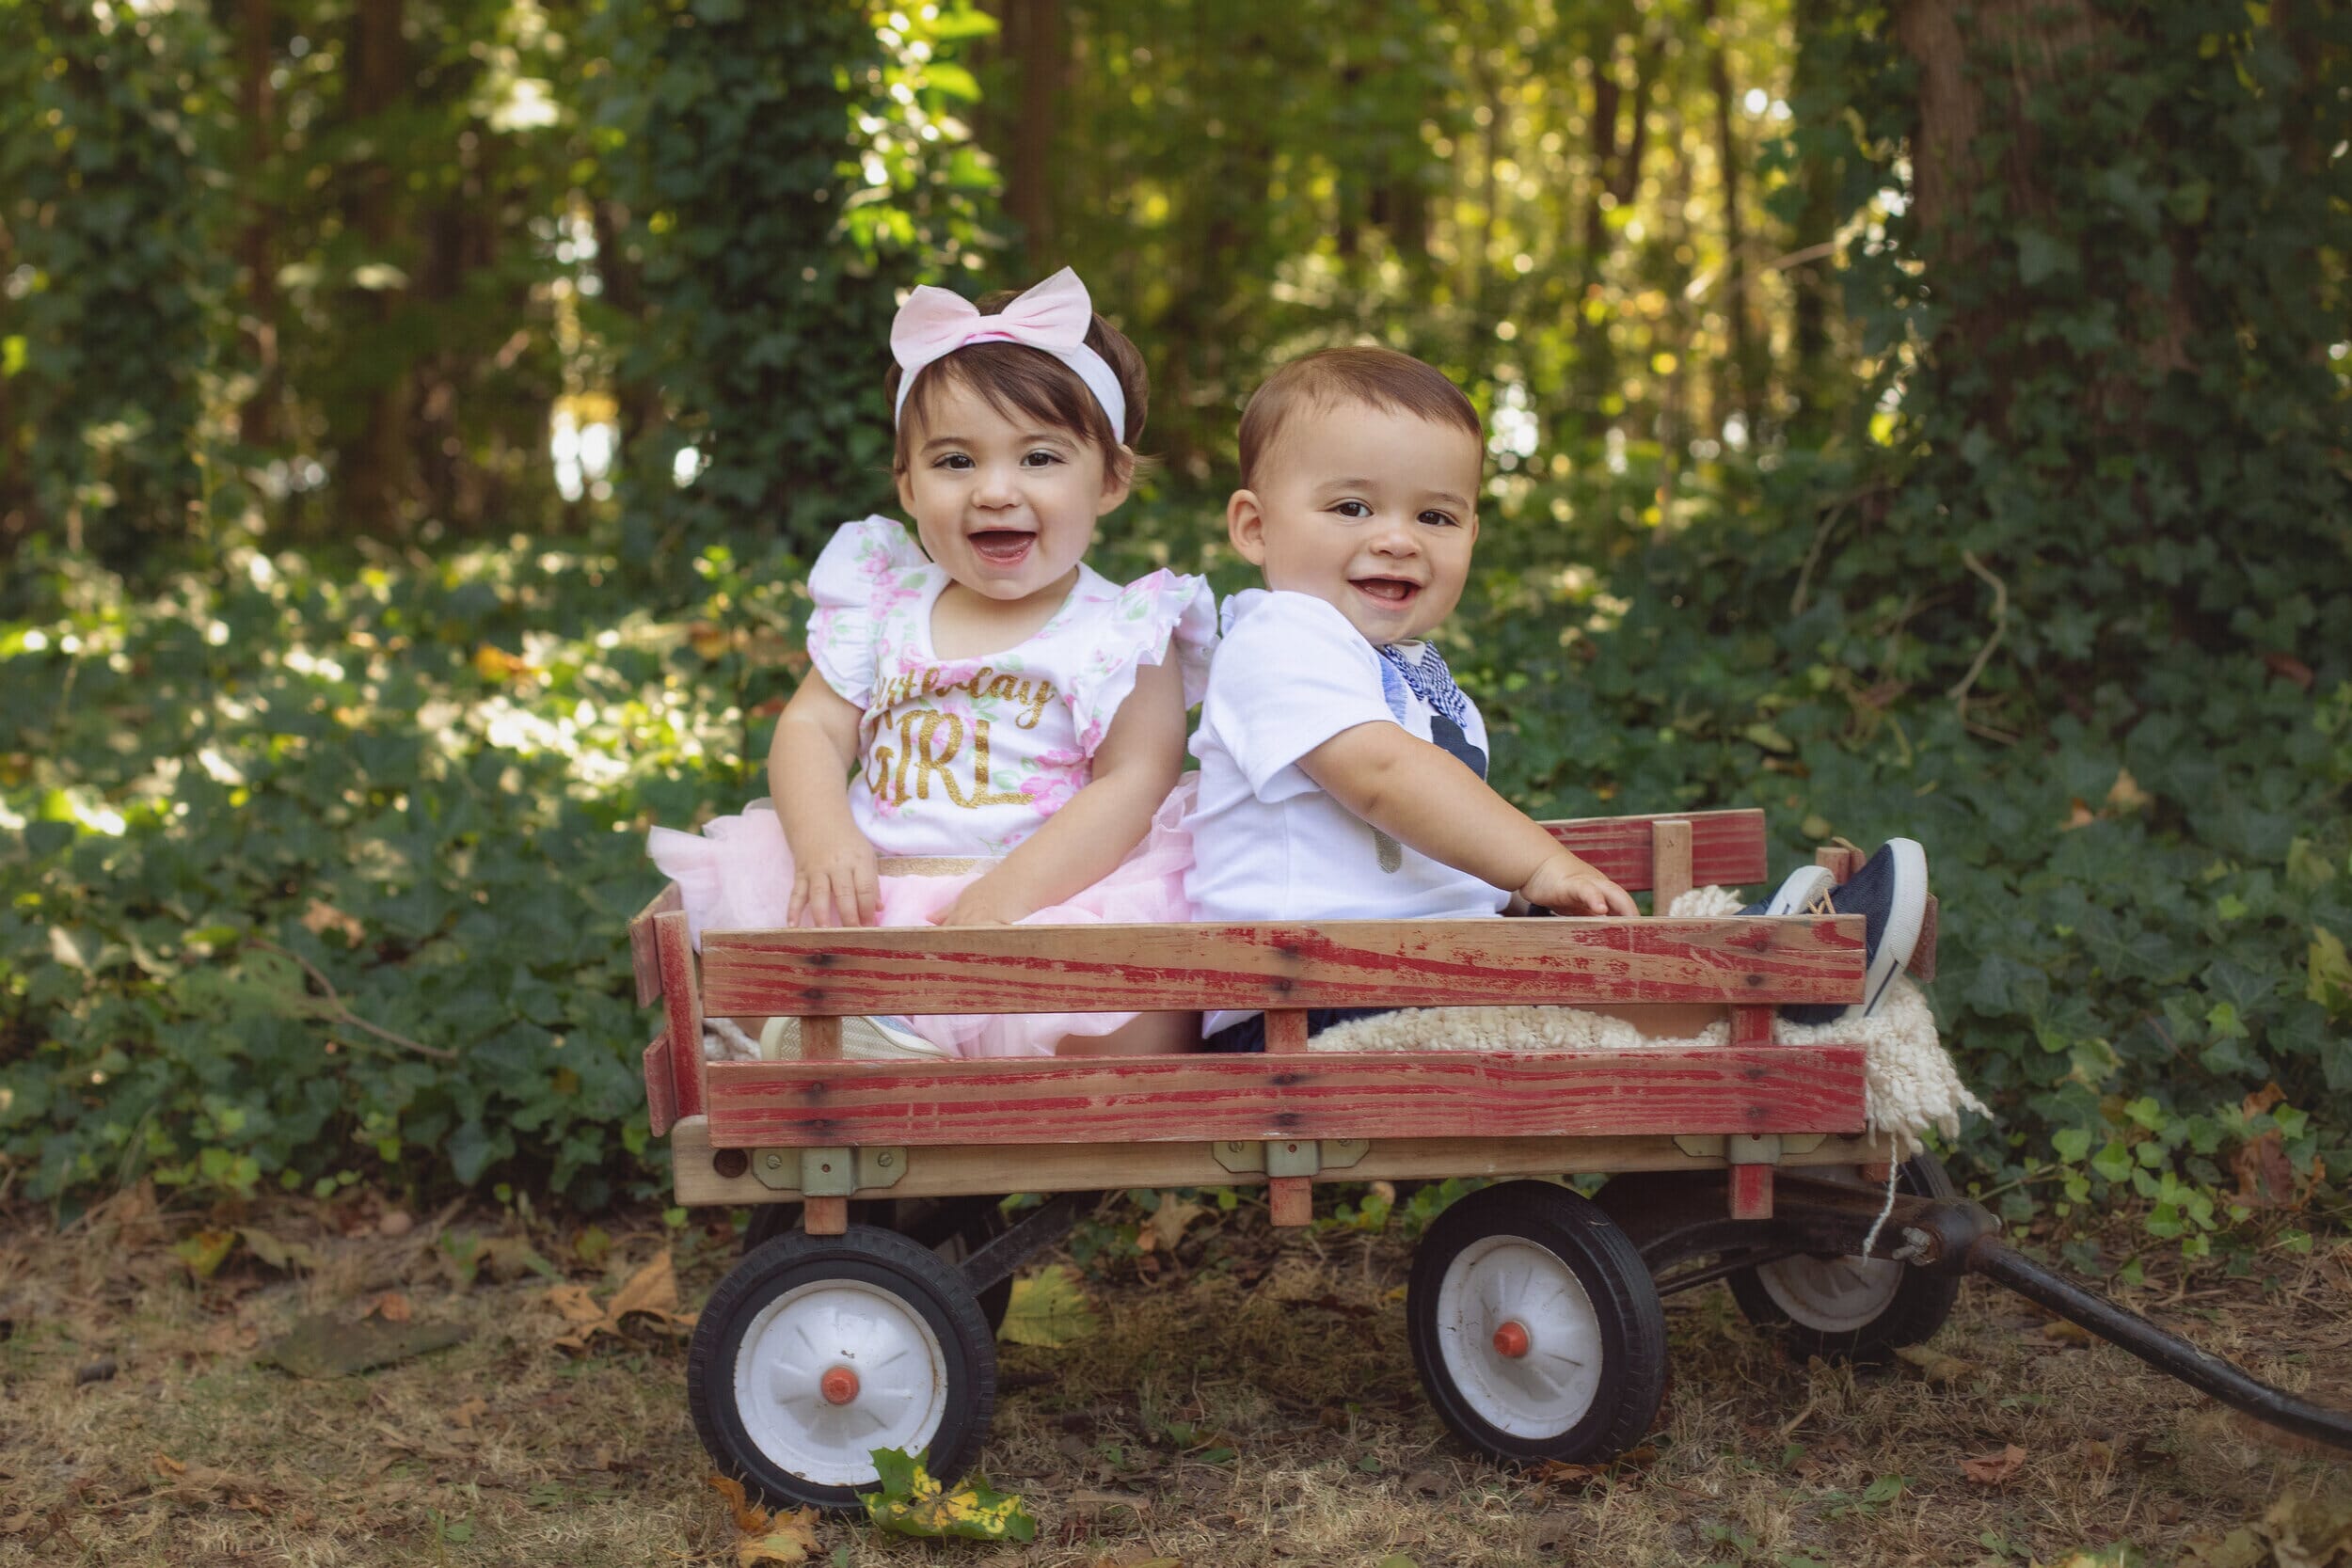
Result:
[[1917, 1306], [932, 1289], [954, 1228], [1631, 1324]]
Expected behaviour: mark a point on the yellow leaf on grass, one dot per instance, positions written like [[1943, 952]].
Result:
[[787, 1541], [205, 1251], [1048, 1309], [1934, 1365]]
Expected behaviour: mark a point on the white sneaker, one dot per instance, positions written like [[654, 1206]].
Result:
[[1805, 891]]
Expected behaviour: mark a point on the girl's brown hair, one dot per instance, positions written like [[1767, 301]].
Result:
[[1018, 379]]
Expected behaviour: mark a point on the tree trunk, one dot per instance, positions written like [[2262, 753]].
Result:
[[371, 468], [1739, 372], [257, 107], [1035, 36], [1812, 381], [2046, 43]]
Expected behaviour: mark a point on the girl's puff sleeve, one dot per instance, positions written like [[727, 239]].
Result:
[[1153, 619], [861, 563]]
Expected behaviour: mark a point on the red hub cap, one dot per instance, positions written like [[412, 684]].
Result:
[[839, 1386], [1511, 1341]]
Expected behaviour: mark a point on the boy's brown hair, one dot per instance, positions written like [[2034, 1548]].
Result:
[[1018, 379], [1381, 377]]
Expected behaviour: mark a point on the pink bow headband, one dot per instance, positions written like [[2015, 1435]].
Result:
[[1054, 316]]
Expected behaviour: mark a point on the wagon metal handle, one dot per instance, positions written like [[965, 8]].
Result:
[[2168, 1352]]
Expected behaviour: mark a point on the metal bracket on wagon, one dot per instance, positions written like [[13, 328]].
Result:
[[828, 1172], [1748, 1149], [1289, 1156]]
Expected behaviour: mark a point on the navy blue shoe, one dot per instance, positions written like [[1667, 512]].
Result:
[[1890, 893]]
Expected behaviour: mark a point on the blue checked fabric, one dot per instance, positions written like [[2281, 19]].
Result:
[[1432, 682]]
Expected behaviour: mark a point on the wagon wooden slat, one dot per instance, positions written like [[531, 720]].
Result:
[[1362, 963]]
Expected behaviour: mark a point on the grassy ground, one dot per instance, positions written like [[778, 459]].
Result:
[[138, 1426]]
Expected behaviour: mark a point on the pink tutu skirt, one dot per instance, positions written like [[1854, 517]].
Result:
[[736, 875]]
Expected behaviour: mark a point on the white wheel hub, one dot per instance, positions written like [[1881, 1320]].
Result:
[[1831, 1296], [1518, 1336], [831, 1371]]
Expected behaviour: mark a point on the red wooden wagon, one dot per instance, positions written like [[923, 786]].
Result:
[[1533, 1312]]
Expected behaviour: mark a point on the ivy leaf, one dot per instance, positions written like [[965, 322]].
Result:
[[2042, 257], [2328, 973], [911, 1502], [2114, 1162]]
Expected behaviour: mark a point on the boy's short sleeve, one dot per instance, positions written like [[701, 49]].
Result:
[[1290, 674]]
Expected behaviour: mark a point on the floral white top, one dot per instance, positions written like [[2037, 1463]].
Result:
[[969, 756]]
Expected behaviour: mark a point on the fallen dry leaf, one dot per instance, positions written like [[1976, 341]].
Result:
[[167, 1465], [2262, 1100], [2289, 667], [463, 1417], [651, 1291], [1170, 1220], [768, 1538], [1559, 1472], [2265, 1178], [1934, 1365], [1991, 1469], [748, 1517], [792, 1541], [2310, 1531], [652, 1288]]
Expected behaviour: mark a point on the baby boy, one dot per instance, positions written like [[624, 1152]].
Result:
[[1342, 772]]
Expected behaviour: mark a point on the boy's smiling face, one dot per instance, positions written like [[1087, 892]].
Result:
[[1373, 510]]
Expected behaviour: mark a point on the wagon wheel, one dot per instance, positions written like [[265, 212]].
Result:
[[816, 1350], [954, 1228], [1852, 1309], [1535, 1327]]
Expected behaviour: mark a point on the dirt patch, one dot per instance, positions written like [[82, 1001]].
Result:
[[1249, 1403]]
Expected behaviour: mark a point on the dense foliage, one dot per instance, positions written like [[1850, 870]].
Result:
[[108, 266], [777, 247], [1921, 420]]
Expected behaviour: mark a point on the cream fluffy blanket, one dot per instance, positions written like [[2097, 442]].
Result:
[[1911, 1083]]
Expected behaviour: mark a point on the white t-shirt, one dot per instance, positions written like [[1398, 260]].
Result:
[[1268, 843]]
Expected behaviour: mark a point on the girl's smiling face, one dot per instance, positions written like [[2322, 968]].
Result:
[[1004, 503]]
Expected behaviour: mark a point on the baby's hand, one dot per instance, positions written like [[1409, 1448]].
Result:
[[1569, 885], [837, 887], [986, 902]]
